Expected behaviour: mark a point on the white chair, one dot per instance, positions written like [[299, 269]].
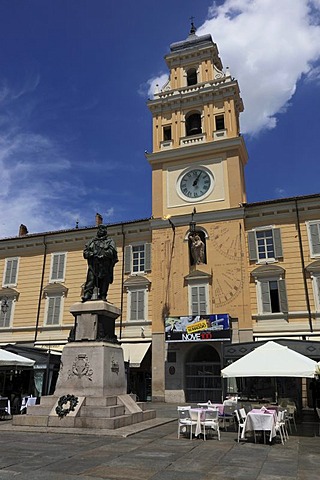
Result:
[[227, 417], [318, 413], [243, 413], [280, 426], [184, 420], [240, 422], [211, 421], [290, 416]]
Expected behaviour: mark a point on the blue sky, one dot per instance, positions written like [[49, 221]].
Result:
[[75, 76]]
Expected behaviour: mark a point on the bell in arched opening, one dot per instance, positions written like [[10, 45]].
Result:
[[193, 124]]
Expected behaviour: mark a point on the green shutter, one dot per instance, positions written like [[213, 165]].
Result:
[[127, 259], [253, 253], [202, 301], [315, 238], [283, 296], [265, 297], [147, 266], [277, 243]]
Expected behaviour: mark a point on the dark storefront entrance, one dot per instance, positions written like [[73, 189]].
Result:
[[202, 375]]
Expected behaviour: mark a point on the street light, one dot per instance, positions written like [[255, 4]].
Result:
[[4, 305]]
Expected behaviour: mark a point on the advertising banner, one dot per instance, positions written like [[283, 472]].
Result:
[[198, 328]]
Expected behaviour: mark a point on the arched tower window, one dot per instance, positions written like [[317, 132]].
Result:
[[192, 77], [193, 124]]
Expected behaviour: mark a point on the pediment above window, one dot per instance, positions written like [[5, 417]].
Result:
[[267, 271], [314, 267], [137, 281], [55, 288], [198, 275], [9, 292]]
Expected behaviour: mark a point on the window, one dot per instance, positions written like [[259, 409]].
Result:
[[314, 238], [198, 299], [316, 290], [167, 133], [54, 309], [192, 77], [271, 289], [11, 272], [219, 121], [193, 124], [58, 261], [5, 317], [137, 258], [137, 304], [265, 244]]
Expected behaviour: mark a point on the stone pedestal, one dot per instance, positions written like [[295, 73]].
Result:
[[95, 320], [94, 369], [92, 374]]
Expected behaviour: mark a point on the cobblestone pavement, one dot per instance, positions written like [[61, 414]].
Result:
[[156, 454]]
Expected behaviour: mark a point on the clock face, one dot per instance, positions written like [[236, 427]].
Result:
[[195, 184]]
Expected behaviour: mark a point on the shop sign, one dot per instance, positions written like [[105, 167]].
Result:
[[198, 328]]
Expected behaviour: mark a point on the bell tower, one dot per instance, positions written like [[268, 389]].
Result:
[[198, 154]]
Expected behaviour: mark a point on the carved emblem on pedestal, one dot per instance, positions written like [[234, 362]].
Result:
[[114, 366], [81, 367]]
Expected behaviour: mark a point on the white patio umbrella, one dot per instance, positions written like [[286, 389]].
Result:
[[8, 359], [271, 360]]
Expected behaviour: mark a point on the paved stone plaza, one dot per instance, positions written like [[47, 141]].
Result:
[[155, 454]]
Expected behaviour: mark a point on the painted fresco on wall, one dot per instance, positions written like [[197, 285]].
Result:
[[197, 328]]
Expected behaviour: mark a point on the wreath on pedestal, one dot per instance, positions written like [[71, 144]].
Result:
[[64, 400]]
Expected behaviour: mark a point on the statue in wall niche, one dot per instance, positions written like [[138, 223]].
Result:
[[197, 248], [101, 255]]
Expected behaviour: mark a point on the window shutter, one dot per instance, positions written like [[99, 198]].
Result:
[[140, 312], [277, 243], [127, 259], [283, 296], [253, 254], [265, 297], [147, 265], [58, 261], [198, 300], [11, 272], [202, 301], [315, 238], [53, 316]]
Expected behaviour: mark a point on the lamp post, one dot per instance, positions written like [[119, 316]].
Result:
[[4, 305]]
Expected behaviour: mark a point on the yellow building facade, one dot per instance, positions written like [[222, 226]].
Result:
[[206, 274]]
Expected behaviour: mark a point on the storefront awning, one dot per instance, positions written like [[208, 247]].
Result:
[[134, 353]]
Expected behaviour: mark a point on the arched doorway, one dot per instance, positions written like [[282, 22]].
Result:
[[203, 375]]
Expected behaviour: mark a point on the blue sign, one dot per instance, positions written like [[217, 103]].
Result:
[[197, 328]]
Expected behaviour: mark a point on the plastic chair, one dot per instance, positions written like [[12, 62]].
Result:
[[280, 426], [318, 413], [184, 420], [240, 422], [228, 416], [290, 417], [211, 420]]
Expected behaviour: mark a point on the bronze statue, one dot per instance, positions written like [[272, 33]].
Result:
[[101, 255]]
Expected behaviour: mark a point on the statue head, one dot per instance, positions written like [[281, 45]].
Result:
[[102, 231]]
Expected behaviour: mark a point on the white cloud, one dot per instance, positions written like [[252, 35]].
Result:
[[269, 46]]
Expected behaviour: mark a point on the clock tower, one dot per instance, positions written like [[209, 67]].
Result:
[[198, 153], [198, 188]]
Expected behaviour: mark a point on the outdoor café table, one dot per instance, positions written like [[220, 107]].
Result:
[[260, 420], [218, 406], [197, 414]]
